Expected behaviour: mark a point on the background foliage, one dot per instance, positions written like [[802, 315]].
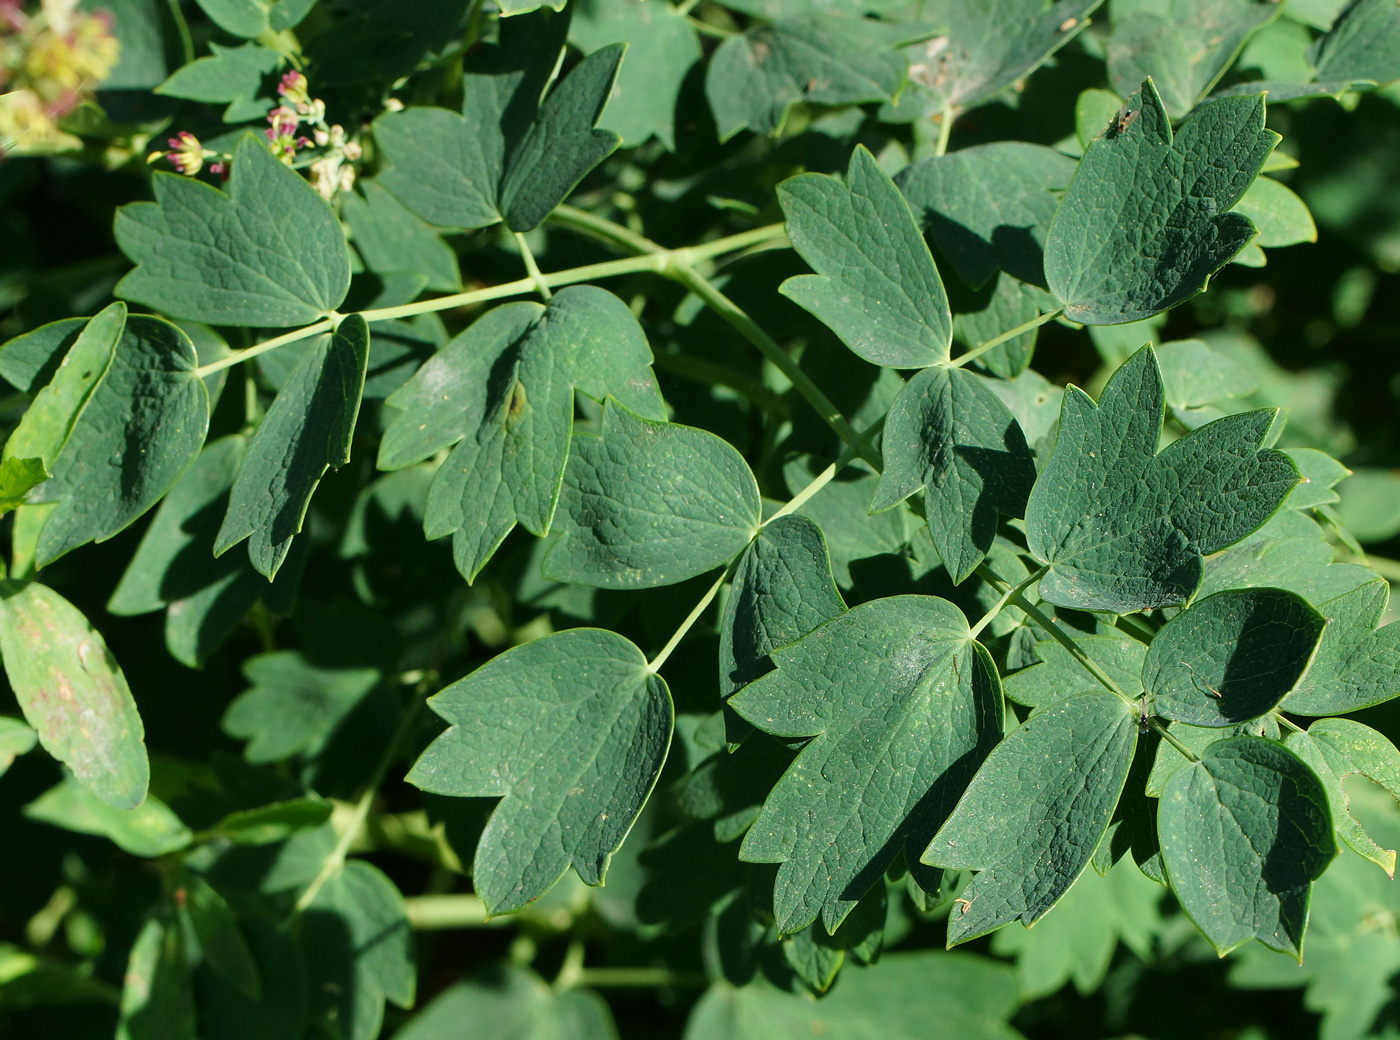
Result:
[[242, 823]]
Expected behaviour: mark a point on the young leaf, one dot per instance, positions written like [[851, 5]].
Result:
[[988, 207], [570, 731], [150, 829], [505, 389], [902, 705], [274, 822], [950, 437], [661, 48], [270, 252], [1035, 812], [876, 285], [651, 503], [1363, 44], [1357, 665], [1279, 215], [307, 430], [1123, 527], [1231, 657], [1244, 833], [783, 588], [756, 77], [359, 950], [392, 239], [1338, 748], [119, 459], [1183, 46], [1194, 374], [1058, 674], [1289, 552], [293, 706], [73, 693], [985, 48], [1144, 223]]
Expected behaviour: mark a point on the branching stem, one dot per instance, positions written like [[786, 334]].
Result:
[[1014, 590], [532, 268], [945, 130]]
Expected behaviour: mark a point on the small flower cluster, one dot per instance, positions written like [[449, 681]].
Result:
[[331, 171], [50, 61]]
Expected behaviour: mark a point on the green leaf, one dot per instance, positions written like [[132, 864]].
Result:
[[1357, 665], [1194, 374], [157, 1001], [755, 78], [359, 950], [307, 430], [988, 207], [118, 460], [1196, 739], [1035, 812], [293, 706], [251, 18], [661, 49], [220, 941], [1289, 552], [1144, 223], [150, 829], [1321, 474], [1336, 749], [505, 390], [876, 286], [1231, 657], [902, 704], [73, 693], [925, 995], [1280, 216], [1003, 304], [30, 360], [1244, 833], [18, 477], [570, 731], [280, 1012], [1058, 674], [15, 739], [841, 510], [274, 822], [392, 239], [376, 43], [1369, 508], [782, 589], [1363, 43], [950, 437], [512, 1002], [990, 46], [268, 253], [1123, 527], [509, 156], [1183, 46], [651, 503], [232, 75]]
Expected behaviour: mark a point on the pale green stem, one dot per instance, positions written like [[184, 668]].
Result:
[[262, 348], [996, 341], [1166, 735], [706, 29], [698, 369], [686, 6], [1136, 628], [601, 227], [571, 971], [1285, 721], [654, 665], [945, 130], [1015, 590], [442, 912], [532, 268], [1387, 569], [640, 978]]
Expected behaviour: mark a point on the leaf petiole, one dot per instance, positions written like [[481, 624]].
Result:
[[1015, 590], [532, 268], [654, 665], [1166, 735], [1009, 334]]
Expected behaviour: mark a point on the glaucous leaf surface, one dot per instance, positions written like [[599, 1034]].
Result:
[[1231, 657], [29, 361], [1336, 749], [901, 705], [270, 252], [651, 503], [1196, 739], [307, 430], [1035, 812], [570, 731], [1123, 527], [1357, 664], [1144, 223], [876, 285], [1244, 833], [73, 692], [949, 436]]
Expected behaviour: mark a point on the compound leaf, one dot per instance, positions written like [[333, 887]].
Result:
[[783, 588], [1338, 748], [1244, 833], [950, 437], [269, 253], [1123, 527], [1231, 657], [876, 285], [902, 705], [118, 458], [1035, 812], [73, 693], [307, 430], [570, 731], [1357, 665], [651, 503], [1144, 223]]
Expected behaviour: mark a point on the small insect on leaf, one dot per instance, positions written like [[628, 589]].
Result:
[[1068, 24], [1122, 120]]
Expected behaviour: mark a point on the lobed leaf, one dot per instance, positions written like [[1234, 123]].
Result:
[[1357, 665], [1336, 749]]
